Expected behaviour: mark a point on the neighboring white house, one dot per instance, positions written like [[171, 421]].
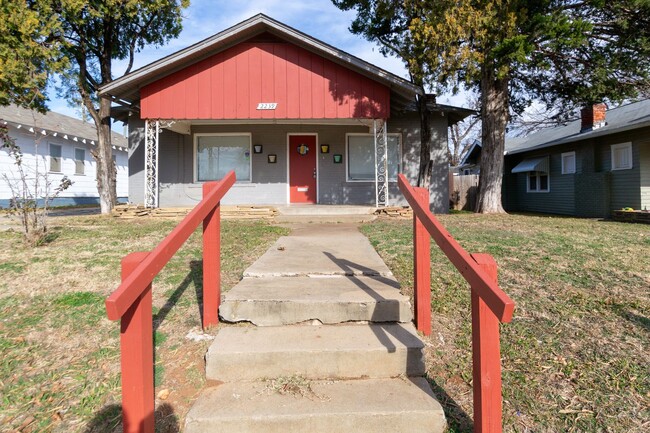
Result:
[[61, 145]]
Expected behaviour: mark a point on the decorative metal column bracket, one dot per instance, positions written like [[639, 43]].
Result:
[[151, 134], [381, 162], [151, 146]]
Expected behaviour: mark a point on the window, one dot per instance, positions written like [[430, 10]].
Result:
[[622, 156], [79, 161], [361, 157], [568, 163], [217, 154], [55, 158], [538, 181]]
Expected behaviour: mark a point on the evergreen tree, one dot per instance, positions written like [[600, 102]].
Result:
[[30, 52], [561, 52], [96, 32]]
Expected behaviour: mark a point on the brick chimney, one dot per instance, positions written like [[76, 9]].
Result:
[[593, 117]]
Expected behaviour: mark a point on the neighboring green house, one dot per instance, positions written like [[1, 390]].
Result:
[[587, 167]]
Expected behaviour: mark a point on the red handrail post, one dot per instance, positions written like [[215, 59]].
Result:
[[136, 351], [211, 261], [486, 357], [422, 267]]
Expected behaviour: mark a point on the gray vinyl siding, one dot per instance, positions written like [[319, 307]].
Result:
[[409, 127], [624, 185], [595, 190], [268, 184], [561, 196], [136, 160], [644, 167]]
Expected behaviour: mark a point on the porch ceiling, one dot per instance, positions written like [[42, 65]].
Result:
[[185, 126]]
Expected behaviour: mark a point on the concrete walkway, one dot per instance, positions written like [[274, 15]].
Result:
[[324, 318]]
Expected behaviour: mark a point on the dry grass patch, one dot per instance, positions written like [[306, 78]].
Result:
[[575, 357], [59, 355]]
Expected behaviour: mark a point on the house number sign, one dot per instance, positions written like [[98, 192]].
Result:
[[267, 105]]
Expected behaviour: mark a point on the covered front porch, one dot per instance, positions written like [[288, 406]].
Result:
[[351, 162]]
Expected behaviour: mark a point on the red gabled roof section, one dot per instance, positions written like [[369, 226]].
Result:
[[232, 83]]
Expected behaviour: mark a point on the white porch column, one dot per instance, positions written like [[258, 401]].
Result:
[[380, 128], [151, 134]]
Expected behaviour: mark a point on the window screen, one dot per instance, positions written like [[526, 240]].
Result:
[[218, 154]]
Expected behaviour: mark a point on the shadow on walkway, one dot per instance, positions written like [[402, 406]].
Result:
[[458, 420]]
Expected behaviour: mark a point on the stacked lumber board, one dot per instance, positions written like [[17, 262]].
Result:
[[248, 212], [633, 216], [395, 212], [227, 212]]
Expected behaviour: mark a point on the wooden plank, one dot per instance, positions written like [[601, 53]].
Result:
[[130, 289], [486, 288], [422, 268], [211, 261], [136, 355], [486, 357]]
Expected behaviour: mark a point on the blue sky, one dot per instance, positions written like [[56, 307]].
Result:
[[318, 18]]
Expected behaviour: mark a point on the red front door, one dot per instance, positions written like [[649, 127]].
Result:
[[302, 168]]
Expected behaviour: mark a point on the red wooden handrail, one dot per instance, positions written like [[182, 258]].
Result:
[[133, 286], [132, 302], [495, 298], [489, 304]]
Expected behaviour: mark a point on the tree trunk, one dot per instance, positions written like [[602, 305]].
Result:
[[494, 114], [106, 171], [426, 165]]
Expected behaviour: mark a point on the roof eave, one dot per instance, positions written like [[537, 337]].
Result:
[[242, 31], [580, 137]]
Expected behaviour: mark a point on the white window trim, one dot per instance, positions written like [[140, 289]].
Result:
[[347, 158], [74, 154], [49, 156], [536, 191], [564, 170], [615, 147], [195, 163]]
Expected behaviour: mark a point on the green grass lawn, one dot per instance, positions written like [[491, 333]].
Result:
[[59, 355], [576, 356]]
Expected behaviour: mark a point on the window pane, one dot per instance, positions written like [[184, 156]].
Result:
[[532, 182], [217, 155], [393, 157], [568, 163], [361, 157], [79, 157], [621, 156], [543, 182], [55, 157]]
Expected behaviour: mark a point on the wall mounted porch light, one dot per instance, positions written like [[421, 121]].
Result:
[[338, 158], [272, 158], [324, 148], [257, 148]]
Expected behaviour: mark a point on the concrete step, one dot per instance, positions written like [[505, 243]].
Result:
[[315, 352], [330, 250], [360, 406], [329, 299], [324, 209], [324, 219]]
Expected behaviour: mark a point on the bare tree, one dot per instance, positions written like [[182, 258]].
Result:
[[463, 134], [32, 190]]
